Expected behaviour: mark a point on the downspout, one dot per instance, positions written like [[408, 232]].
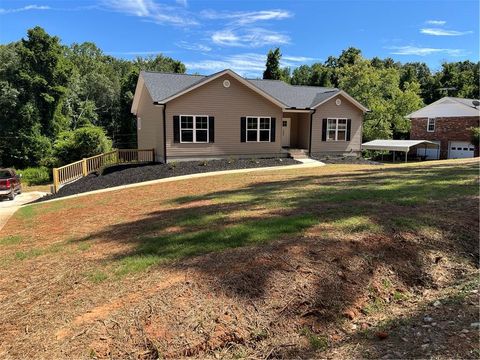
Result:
[[310, 138], [164, 135]]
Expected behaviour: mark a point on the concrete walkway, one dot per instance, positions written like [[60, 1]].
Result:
[[305, 164], [8, 207]]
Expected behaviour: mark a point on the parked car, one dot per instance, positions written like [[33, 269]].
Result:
[[10, 184]]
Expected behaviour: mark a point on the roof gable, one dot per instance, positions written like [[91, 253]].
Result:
[[447, 107]]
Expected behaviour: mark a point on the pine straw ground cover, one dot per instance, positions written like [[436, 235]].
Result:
[[338, 261]]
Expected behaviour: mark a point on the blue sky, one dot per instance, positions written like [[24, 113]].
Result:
[[209, 36]]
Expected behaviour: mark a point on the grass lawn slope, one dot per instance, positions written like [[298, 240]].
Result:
[[341, 261]]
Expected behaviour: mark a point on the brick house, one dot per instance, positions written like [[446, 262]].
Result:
[[447, 122]]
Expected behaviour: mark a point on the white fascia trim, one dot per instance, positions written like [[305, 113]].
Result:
[[348, 97], [297, 110], [235, 76], [138, 94]]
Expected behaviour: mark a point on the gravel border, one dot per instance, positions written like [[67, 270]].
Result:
[[134, 173]]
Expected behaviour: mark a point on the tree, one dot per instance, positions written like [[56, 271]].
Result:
[[302, 75], [379, 90], [83, 142], [47, 88], [273, 70], [43, 75], [349, 57]]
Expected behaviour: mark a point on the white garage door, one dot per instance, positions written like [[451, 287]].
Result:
[[431, 154], [460, 150]]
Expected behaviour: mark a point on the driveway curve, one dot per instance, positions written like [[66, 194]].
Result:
[[8, 207]]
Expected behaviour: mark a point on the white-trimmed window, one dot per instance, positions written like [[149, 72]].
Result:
[[194, 129], [431, 125], [258, 129], [336, 129]]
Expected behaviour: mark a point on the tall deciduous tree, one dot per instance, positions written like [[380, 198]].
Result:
[[379, 90]]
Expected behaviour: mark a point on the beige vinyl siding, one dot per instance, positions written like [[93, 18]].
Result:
[[331, 110], [150, 136], [227, 105]]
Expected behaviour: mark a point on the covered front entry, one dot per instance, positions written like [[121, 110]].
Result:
[[296, 130]]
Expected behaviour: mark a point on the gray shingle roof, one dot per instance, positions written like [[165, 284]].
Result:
[[447, 107], [164, 85], [294, 96]]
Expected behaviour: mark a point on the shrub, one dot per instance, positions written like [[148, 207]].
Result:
[[475, 135], [83, 142], [172, 165], [35, 175]]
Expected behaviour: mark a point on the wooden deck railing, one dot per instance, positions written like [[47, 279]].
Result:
[[77, 170]]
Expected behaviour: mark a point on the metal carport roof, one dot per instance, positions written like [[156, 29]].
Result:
[[396, 145]]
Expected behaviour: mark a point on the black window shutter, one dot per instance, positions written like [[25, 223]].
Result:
[[176, 129], [243, 129], [272, 130], [349, 128], [211, 129], [324, 130]]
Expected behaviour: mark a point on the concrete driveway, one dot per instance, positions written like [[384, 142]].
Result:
[[8, 207]]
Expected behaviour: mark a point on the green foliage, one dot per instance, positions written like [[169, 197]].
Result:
[[475, 136], [389, 89], [47, 88], [273, 71], [80, 143], [379, 90], [35, 175]]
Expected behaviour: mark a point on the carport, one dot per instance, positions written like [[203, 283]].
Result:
[[399, 145]]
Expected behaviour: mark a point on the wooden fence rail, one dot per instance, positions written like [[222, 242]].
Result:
[[81, 168]]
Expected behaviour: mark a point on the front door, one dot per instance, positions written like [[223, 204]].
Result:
[[286, 123]]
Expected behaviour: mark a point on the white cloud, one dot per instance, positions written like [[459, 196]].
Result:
[[424, 51], [184, 3], [443, 32], [25, 8], [249, 37], [152, 11], [436, 22], [248, 17], [194, 47], [246, 64], [240, 29], [298, 58]]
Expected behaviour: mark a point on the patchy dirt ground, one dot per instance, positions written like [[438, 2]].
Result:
[[349, 261]]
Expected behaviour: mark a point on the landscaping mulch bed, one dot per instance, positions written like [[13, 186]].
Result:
[[129, 174], [346, 160]]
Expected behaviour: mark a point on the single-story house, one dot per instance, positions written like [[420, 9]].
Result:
[[447, 122], [187, 117]]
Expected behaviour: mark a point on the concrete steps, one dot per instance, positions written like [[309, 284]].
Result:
[[298, 153]]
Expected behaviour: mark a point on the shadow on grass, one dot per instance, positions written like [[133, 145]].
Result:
[[330, 233], [352, 202]]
